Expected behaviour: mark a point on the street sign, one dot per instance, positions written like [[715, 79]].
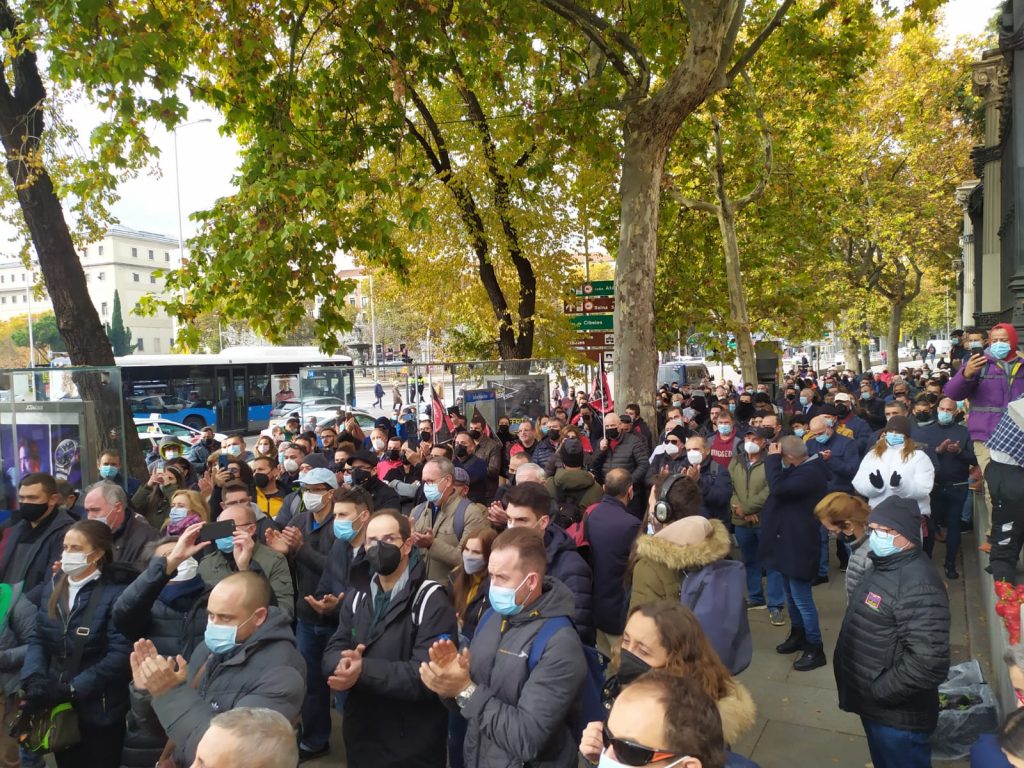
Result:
[[594, 340], [590, 305], [597, 288], [593, 322]]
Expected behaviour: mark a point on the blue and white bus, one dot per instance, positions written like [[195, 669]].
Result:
[[233, 390]]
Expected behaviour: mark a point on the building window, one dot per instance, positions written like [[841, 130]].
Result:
[[152, 279], [156, 345], [135, 277], [170, 343], [366, 301], [1, 278], [103, 308], [14, 299], [3, 299], [139, 346], [135, 253], [99, 250], [167, 256], [151, 257], [351, 301], [101, 275], [23, 277]]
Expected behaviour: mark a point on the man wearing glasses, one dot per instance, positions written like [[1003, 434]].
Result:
[[390, 617], [893, 650]]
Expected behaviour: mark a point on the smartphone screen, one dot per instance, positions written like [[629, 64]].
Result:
[[222, 461], [214, 531]]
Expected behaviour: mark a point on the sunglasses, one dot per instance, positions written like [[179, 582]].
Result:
[[630, 753]]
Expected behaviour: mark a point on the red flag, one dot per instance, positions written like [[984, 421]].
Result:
[[443, 424], [601, 396]]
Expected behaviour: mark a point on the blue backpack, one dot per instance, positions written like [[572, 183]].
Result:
[[717, 596], [591, 708]]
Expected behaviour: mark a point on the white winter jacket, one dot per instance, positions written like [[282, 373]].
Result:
[[917, 476]]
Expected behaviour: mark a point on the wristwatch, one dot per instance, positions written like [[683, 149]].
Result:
[[463, 696]]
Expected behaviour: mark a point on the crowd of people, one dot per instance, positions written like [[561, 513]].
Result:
[[522, 593]]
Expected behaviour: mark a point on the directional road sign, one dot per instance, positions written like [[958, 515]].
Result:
[[593, 322]]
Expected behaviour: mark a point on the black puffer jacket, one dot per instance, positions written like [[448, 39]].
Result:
[[893, 650], [629, 454]]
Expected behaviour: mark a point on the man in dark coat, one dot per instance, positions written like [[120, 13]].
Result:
[[790, 542], [893, 649], [529, 506], [108, 503], [387, 623], [620, 450], [36, 541], [611, 530]]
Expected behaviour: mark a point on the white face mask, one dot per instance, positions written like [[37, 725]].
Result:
[[73, 563], [671, 449], [187, 570], [312, 500], [694, 457], [610, 762], [291, 466], [378, 444], [751, 447]]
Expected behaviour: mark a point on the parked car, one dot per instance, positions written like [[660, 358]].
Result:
[[155, 426], [292, 407]]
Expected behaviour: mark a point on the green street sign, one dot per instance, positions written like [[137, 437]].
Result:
[[593, 322], [597, 288]]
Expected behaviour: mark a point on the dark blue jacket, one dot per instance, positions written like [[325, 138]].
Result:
[[790, 533], [544, 451], [336, 575], [949, 467], [861, 432], [611, 530], [715, 490], [45, 550], [568, 566], [101, 685], [986, 753], [843, 464]]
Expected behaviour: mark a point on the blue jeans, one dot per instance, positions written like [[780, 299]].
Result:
[[947, 507], [748, 539], [823, 563], [316, 707], [967, 515], [803, 614], [895, 748]]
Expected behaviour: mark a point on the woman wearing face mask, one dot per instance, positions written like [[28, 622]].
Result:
[[166, 604], [187, 508], [897, 467], [847, 516], [82, 598], [153, 500], [264, 446], [667, 636]]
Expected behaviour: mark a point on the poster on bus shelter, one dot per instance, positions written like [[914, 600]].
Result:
[[520, 397], [482, 402]]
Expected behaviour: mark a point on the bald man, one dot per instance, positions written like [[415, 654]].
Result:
[[248, 659], [248, 737]]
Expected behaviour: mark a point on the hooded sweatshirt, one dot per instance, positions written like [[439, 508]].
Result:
[[990, 390]]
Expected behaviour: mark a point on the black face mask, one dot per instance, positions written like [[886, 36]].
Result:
[[384, 558], [260, 479], [461, 451], [475, 434], [791, 396], [555, 435], [424, 437], [630, 667], [611, 433], [394, 454], [359, 476], [923, 417], [32, 511], [502, 430], [842, 410]]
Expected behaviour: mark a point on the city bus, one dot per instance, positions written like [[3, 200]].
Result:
[[233, 390]]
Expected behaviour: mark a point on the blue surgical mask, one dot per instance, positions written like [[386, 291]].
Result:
[[544, 430], [732, 407], [799, 431], [945, 417], [225, 543], [894, 439], [221, 638], [803, 401], [233, 450], [823, 437], [865, 395], [503, 599], [344, 530], [108, 472], [961, 404], [882, 543], [432, 492], [725, 429], [177, 514], [999, 349]]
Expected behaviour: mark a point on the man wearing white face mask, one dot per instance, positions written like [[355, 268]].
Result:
[[306, 542], [248, 659], [713, 479], [893, 649], [669, 458]]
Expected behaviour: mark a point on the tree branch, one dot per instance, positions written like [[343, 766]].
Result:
[[751, 50], [769, 155], [690, 203]]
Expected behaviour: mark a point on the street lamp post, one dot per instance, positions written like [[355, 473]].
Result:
[[177, 191]]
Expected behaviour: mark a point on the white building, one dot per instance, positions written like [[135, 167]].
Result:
[[125, 260]]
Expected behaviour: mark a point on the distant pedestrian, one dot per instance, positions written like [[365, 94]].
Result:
[[378, 393]]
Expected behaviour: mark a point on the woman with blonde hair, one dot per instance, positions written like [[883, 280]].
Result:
[[847, 516], [896, 466], [666, 635], [187, 508]]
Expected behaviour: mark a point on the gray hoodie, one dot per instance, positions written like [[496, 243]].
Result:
[[266, 670], [515, 716]]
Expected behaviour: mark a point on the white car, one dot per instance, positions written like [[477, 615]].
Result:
[[160, 427]]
